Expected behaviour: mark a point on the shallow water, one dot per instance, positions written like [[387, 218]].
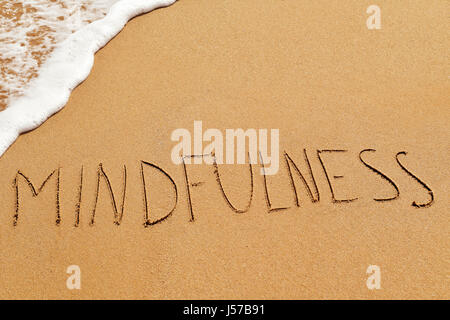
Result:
[[29, 32], [47, 49]]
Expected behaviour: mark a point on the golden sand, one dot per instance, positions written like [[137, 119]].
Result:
[[309, 68]]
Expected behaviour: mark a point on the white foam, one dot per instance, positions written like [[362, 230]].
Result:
[[67, 66], [31, 29]]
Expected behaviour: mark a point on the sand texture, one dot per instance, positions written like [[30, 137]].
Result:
[[311, 69]]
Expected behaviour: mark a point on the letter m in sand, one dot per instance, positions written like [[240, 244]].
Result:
[[35, 192]]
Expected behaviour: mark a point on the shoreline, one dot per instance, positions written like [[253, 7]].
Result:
[[50, 90]]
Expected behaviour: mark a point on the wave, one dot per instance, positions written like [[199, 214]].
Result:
[[68, 64]]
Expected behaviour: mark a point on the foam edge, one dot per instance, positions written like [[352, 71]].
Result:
[[69, 65]]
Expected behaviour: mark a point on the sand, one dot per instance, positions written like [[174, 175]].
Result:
[[310, 69]]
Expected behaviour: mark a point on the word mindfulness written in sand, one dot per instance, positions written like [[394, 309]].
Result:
[[302, 182]]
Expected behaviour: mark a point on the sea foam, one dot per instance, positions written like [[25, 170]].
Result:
[[38, 86]]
